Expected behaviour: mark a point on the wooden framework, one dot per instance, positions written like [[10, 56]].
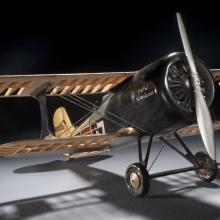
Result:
[[60, 84], [216, 74], [191, 130], [76, 144]]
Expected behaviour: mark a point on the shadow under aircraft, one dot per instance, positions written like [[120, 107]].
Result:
[[161, 203]]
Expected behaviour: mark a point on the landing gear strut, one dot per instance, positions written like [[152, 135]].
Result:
[[137, 177]]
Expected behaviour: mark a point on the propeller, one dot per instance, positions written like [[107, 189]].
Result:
[[202, 111]]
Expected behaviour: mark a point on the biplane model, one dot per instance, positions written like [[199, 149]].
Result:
[[169, 98]]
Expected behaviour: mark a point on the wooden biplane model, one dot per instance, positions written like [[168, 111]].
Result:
[[164, 99]]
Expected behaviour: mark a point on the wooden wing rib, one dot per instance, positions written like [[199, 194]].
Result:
[[60, 84], [191, 130], [216, 74], [76, 144]]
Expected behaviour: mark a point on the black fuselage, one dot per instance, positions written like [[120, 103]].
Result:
[[159, 98]]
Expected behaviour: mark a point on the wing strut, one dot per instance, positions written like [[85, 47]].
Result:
[[42, 101]]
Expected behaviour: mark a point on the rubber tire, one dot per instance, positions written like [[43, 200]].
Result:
[[144, 179], [204, 159]]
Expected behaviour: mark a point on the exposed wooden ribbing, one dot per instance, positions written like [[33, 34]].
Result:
[[2, 84], [109, 80], [107, 87], [76, 89], [98, 81], [75, 82], [55, 90], [86, 154], [8, 91], [13, 85], [191, 130], [43, 145], [96, 88], [77, 145], [95, 81], [85, 86], [49, 148], [86, 89], [58, 144], [62, 144], [82, 82], [64, 83], [65, 90], [7, 150], [20, 91], [216, 74], [22, 148], [26, 84], [59, 84]]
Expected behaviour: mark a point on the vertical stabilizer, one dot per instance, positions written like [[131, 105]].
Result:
[[63, 126]]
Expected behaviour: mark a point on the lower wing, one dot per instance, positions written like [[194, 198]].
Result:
[[76, 144]]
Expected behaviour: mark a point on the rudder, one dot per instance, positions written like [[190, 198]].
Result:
[[63, 126]]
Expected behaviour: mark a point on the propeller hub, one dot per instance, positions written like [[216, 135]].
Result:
[[186, 84]]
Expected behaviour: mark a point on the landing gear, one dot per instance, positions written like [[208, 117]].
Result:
[[137, 175], [208, 168], [137, 179]]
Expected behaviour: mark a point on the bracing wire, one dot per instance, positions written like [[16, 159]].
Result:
[[156, 157], [90, 110], [81, 102], [87, 115], [110, 113]]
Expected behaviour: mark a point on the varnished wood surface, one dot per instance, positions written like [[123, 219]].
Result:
[[76, 143], [60, 84]]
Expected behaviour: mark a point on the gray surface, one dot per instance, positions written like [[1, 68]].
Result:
[[47, 187]]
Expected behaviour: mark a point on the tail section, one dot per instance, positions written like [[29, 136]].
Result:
[[63, 126]]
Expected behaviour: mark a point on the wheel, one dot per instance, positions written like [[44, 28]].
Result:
[[137, 179], [208, 168]]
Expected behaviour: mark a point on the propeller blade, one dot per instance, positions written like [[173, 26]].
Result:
[[202, 111], [205, 124]]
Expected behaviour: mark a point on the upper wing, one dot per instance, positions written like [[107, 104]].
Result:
[[60, 84], [215, 74]]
